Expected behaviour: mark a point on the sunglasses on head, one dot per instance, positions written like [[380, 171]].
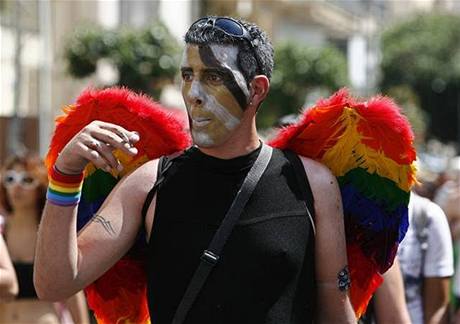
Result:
[[230, 27], [24, 179]]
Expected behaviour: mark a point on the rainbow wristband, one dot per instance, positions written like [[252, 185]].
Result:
[[64, 189]]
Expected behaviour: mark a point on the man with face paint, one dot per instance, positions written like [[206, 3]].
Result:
[[278, 266], [215, 93]]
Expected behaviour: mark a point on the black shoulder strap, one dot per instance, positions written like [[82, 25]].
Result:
[[304, 185], [211, 256], [164, 163]]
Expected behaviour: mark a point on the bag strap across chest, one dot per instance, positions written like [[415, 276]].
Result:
[[211, 255]]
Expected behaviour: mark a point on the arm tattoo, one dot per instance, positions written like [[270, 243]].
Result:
[[343, 279], [105, 224]]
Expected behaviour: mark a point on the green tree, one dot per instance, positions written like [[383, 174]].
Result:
[[424, 54], [300, 70], [145, 59]]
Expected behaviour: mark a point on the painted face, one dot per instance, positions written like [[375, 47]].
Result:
[[21, 187], [215, 92]]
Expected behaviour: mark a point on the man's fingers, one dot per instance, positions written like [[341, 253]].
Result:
[[94, 157], [106, 153], [127, 136], [114, 140], [95, 143]]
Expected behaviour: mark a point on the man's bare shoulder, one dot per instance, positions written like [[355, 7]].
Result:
[[326, 193], [319, 175], [148, 169], [142, 178]]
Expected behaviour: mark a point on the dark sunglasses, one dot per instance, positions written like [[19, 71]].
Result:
[[232, 28]]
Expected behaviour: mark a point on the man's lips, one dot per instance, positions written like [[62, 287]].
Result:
[[200, 121]]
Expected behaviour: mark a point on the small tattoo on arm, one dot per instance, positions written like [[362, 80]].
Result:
[[105, 224], [343, 279]]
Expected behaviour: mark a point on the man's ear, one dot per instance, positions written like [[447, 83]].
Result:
[[259, 90]]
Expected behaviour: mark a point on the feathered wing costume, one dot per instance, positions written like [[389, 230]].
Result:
[[367, 145], [119, 296]]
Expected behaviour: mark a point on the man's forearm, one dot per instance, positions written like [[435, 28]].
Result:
[[333, 305], [8, 285], [56, 257], [437, 315], [78, 309], [436, 300], [8, 280]]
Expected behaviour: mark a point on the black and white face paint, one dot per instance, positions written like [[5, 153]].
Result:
[[215, 92]]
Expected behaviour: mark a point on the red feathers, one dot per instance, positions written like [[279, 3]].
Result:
[[384, 127], [381, 126], [119, 296], [120, 106], [105, 294]]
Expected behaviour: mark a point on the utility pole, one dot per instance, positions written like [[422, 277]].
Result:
[[458, 124], [45, 77], [14, 137]]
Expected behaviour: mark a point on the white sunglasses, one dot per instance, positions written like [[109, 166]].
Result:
[[24, 179]]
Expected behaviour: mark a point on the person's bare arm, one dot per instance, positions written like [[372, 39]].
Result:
[[334, 304], [436, 300], [64, 263], [8, 281], [78, 308], [389, 299]]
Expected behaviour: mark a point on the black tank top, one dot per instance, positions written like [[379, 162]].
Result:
[[24, 273], [266, 272]]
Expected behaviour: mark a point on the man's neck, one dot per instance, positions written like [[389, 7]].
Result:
[[238, 145]]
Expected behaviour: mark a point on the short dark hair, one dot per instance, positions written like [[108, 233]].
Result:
[[199, 34]]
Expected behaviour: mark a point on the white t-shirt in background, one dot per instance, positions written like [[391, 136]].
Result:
[[438, 256]]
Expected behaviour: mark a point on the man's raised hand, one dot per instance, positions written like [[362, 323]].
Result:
[[95, 143]]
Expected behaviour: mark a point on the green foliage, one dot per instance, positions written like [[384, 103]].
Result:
[[424, 54], [145, 59], [83, 51], [299, 70]]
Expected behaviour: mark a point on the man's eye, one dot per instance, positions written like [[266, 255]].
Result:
[[187, 76], [214, 78]]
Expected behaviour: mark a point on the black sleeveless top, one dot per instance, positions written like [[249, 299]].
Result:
[[24, 273], [266, 271]]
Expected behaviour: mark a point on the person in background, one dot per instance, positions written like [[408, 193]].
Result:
[[22, 193], [426, 259], [448, 198], [8, 281], [388, 304]]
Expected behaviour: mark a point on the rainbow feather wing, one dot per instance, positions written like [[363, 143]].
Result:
[[368, 147], [119, 296]]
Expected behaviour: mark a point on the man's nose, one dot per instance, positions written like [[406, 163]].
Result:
[[196, 93]]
